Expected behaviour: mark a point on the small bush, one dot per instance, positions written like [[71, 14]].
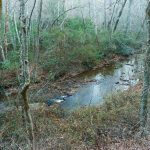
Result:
[[12, 61], [73, 44]]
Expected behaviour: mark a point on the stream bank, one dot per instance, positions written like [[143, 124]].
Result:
[[88, 88], [105, 81]]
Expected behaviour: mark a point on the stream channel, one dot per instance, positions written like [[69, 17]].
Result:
[[114, 78], [105, 81]]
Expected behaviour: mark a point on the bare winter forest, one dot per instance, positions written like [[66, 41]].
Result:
[[74, 74]]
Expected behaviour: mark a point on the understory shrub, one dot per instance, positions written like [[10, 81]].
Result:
[[78, 44], [75, 45]]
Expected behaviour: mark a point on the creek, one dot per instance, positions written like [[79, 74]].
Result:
[[112, 79], [99, 83]]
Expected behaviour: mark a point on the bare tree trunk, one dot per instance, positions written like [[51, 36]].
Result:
[[89, 4], [2, 53], [118, 18], [110, 10], [95, 20], [142, 26], [2, 56], [65, 17], [31, 14], [25, 75], [109, 25], [0, 8], [128, 17], [16, 28], [6, 30], [38, 38], [146, 84], [112, 15], [105, 15], [58, 8]]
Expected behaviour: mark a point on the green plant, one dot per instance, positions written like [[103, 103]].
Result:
[[11, 62]]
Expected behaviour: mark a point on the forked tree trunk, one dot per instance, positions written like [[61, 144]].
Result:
[[120, 13], [25, 76], [146, 84]]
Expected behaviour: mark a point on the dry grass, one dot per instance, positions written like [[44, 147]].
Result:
[[111, 126]]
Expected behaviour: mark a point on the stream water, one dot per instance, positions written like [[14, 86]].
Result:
[[107, 80], [111, 79]]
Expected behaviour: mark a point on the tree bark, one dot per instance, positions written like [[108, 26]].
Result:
[[2, 56], [31, 14], [6, 30], [89, 5], [112, 14], [38, 39], [128, 17], [141, 28], [146, 84], [95, 17], [0, 8], [2, 53], [25, 75], [105, 15], [118, 18]]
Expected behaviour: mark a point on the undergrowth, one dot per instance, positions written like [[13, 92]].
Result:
[[73, 47], [94, 127], [78, 45]]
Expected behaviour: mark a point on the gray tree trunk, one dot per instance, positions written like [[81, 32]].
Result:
[[112, 14], [128, 17], [38, 39], [105, 15], [2, 53], [146, 84], [0, 8], [25, 75], [141, 28], [2, 56], [6, 30], [120, 13]]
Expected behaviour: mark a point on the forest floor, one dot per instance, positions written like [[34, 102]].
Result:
[[111, 126]]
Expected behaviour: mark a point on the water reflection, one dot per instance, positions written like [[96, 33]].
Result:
[[107, 80]]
